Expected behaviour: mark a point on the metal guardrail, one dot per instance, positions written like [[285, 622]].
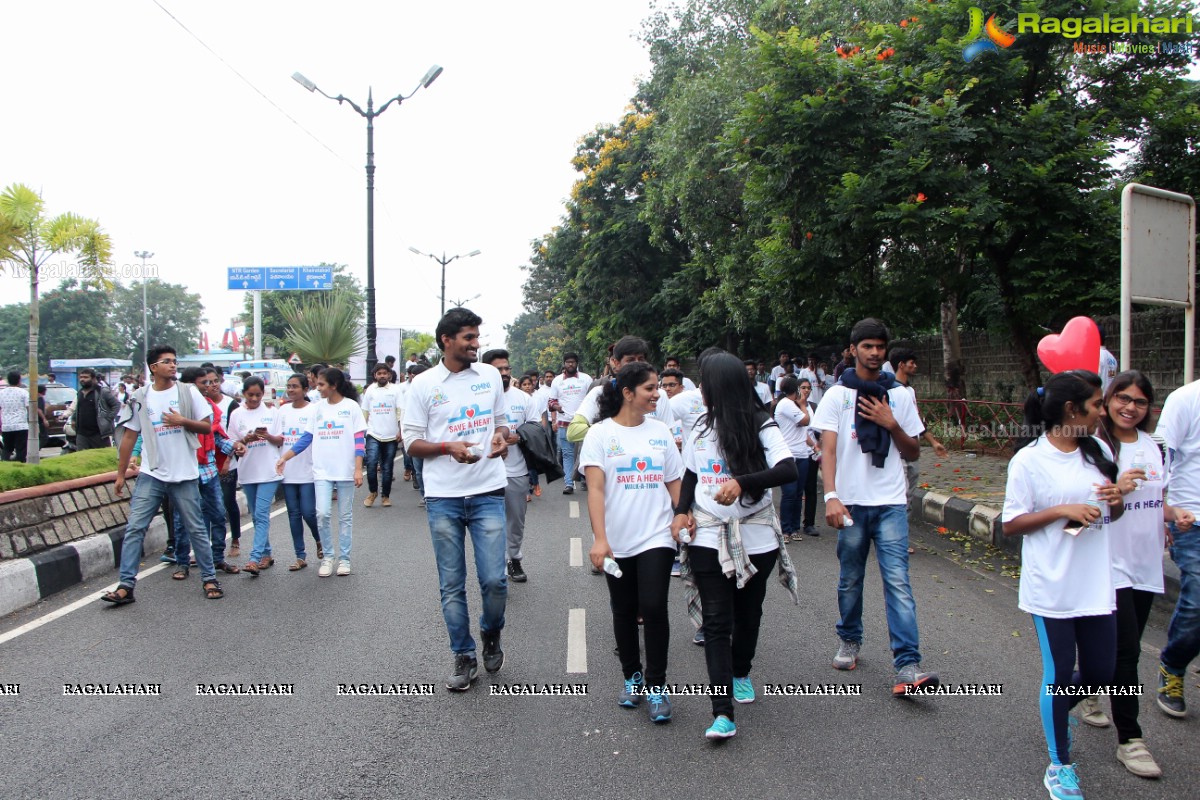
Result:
[[983, 425]]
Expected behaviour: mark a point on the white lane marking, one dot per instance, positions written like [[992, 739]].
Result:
[[576, 552], [574, 509], [83, 601], [577, 640]]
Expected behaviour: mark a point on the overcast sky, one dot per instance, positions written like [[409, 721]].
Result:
[[114, 111]]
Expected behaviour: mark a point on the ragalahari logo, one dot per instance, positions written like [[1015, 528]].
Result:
[[984, 38]]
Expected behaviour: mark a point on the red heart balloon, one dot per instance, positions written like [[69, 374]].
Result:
[[1077, 347]]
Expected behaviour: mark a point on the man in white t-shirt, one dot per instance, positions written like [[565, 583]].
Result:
[[381, 402], [777, 371], [548, 420], [1108, 367], [761, 390], [816, 378], [566, 394], [1179, 426], [673, 362], [905, 361], [869, 425], [516, 493], [170, 417], [14, 419], [455, 419]]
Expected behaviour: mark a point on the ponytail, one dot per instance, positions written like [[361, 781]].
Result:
[[340, 382], [1045, 408]]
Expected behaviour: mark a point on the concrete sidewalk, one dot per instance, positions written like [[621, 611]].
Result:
[[964, 493]]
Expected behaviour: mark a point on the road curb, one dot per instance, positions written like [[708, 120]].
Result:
[[982, 522]]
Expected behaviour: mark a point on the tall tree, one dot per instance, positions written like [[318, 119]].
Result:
[[76, 323], [174, 316], [14, 337], [28, 239]]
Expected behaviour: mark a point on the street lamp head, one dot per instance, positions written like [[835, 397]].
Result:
[[415, 250], [303, 81], [431, 76], [142, 254], [472, 254]]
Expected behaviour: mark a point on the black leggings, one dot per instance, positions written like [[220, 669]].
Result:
[[731, 619], [810, 495], [1133, 610], [1095, 639], [642, 589]]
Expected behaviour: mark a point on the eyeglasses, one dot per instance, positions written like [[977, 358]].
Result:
[[1124, 399], [166, 361]]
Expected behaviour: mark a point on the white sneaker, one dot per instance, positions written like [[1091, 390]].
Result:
[[1091, 713], [344, 567], [1137, 759], [326, 568]]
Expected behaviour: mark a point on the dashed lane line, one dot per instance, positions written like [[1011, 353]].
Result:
[[576, 551], [574, 509], [577, 641]]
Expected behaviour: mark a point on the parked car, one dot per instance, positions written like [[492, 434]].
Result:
[[59, 398]]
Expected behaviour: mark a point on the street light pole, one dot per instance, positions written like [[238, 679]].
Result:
[[444, 261], [370, 114], [143, 255]]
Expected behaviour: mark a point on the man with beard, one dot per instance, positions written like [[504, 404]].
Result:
[[519, 405]]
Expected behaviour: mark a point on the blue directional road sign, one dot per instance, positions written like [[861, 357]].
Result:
[[281, 278], [246, 278]]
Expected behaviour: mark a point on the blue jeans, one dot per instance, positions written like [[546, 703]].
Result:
[[378, 452], [148, 494], [533, 479], [791, 506], [259, 497], [212, 507], [887, 526], [567, 451], [419, 474], [301, 499], [324, 492], [449, 519], [1183, 634]]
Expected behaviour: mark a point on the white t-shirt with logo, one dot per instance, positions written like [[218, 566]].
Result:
[[858, 482], [539, 400], [1108, 369], [1137, 539], [764, 394], [702, 455], [382, 404], [333, 426], [687, 407], [1179, 426], [176, 458], [788, 415], [519, 412], [292, 423], [638, 464], [589, 409], [1062, 575], [258, 463], [459, 407], [569, 393]]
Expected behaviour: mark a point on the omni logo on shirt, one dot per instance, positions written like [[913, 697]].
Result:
[[642, 473]]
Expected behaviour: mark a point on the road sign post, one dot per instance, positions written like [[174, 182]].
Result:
[[256, 279]]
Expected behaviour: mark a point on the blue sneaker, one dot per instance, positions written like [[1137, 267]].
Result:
[[722, 728], [698, 639], [1062, 782], [658, 705], [743, 691], [632, 696], [167, 558]]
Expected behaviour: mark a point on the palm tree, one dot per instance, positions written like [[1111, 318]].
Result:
[[27, 240], [324, 329]]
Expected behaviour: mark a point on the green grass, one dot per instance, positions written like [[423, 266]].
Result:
[[59, 468]]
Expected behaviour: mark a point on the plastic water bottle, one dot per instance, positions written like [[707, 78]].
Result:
[[846, 521], [685, 537], [1139, 462], [612, 567], [1094, 500]]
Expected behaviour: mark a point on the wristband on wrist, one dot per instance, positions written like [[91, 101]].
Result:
[[831, 496], [444, 450]]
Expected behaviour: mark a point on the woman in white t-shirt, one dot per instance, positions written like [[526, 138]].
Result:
[[633, 470], [291, 422], [337, 432], [792, 413], [1062, 494], [250, 423], [1136, 542], [733, 456]]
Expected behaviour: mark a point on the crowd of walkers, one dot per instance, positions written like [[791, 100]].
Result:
[[680, 480]]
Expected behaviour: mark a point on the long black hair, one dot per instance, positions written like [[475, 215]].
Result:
[[629, 377], [737, 416], [1045, 408], [1120, 382], [341, 382]]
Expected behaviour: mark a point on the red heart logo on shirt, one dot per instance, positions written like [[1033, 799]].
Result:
[[470, 413], [716, 469], [641, 465]]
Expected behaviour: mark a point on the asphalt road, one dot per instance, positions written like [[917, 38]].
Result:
[[383, 625]]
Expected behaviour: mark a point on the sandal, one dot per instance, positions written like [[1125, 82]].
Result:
[[250, 568], [117, 598], [235, 549], [225, 566], [213, 590], [299, 565], [180, 574], [266, 562]]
